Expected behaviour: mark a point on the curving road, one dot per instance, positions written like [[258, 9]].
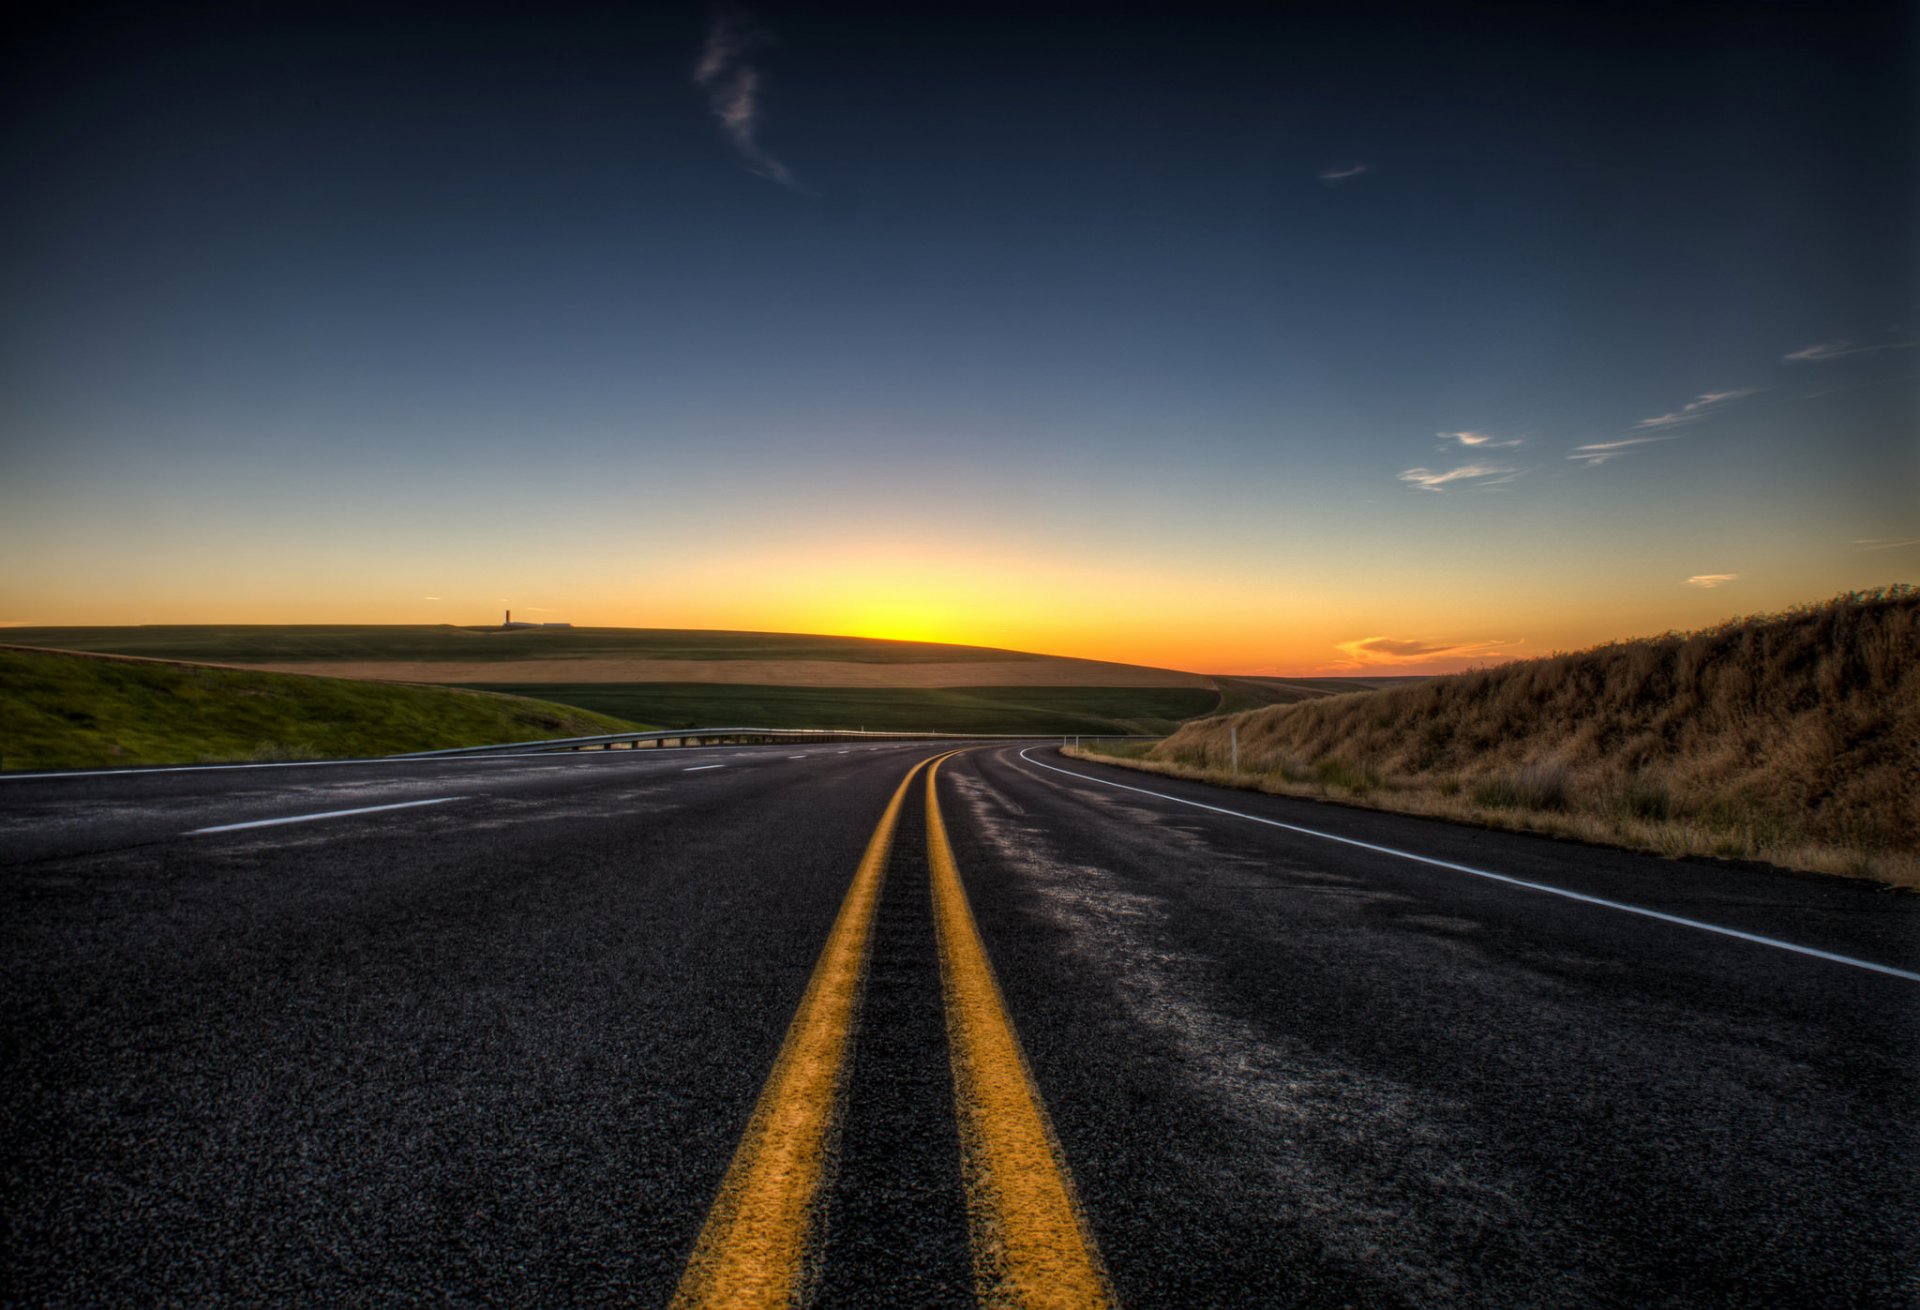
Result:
[[746, 1025]]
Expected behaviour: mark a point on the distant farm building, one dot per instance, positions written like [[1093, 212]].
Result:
[[507, 624]]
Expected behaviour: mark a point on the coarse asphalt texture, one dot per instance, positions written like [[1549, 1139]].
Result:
[[500, 1048]]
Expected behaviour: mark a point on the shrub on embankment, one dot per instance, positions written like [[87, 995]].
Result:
[[1792, 738], [63, 710]]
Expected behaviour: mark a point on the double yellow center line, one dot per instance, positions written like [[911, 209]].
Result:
[[1030, 1242]]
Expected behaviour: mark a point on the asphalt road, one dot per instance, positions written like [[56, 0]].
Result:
[[501, 1038]]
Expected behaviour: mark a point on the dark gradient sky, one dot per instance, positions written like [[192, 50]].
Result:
[[1121, 330]]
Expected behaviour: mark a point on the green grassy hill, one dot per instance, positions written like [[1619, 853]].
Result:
[[60, 710], [1049, 710], [688, 678], [350, 643], [694, 677]]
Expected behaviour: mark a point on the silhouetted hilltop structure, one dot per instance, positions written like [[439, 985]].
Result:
[[508, 625]]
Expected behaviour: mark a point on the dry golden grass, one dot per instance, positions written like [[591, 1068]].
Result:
[[1791, 738]]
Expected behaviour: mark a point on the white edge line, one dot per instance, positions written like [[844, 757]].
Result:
[[573, 757], [208, 768], [328, 814], [696, 768], [1661, 915]]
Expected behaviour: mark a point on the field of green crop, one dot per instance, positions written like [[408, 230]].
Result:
[[1248, 693], [75, 711], [991, 706], [301, 643], [1085, 710]]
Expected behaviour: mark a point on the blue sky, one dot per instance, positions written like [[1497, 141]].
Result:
[[1265, 332]]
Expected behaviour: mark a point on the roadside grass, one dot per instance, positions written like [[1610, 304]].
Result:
[[1792, 739], [367, 643], [60, 710], [987, 709]]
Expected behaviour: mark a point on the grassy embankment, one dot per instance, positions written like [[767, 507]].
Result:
[[1791, 738], [684, 678], [61, 710]]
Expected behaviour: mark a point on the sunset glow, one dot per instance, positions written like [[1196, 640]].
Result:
[[1236, 349]]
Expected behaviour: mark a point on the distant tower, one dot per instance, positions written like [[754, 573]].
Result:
[[508, 621]]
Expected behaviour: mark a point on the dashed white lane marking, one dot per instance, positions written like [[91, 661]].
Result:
[[326, 814], [1511, 881], [796, 757], [696, 768]]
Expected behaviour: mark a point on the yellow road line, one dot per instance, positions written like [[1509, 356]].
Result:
[[753, 1249], [1031, 1245]]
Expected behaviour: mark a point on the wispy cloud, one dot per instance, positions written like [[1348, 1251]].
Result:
[[1393, 649], [1376, 652], [1599, 452], [1708, 581], [429, 598], [1821, 351], [1696, 409], [1659, 428], [733, 85], [1467, 475], [1346, 173], [1818, 351], [1480, 440], [1885, 543]]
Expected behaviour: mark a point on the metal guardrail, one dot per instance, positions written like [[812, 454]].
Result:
[[676, 737]]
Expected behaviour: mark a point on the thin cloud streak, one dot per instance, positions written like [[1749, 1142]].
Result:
[[1821, 351], [1393, 649], [1595, 453], [1479, 440], [1658, 428], [1885, 543], [1473, 475], [733, 91], [1398, 652], [1336, 176], [1695, 410], [1708, 581]]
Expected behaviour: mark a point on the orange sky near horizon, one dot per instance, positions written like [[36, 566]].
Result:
[[1338, 617]]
